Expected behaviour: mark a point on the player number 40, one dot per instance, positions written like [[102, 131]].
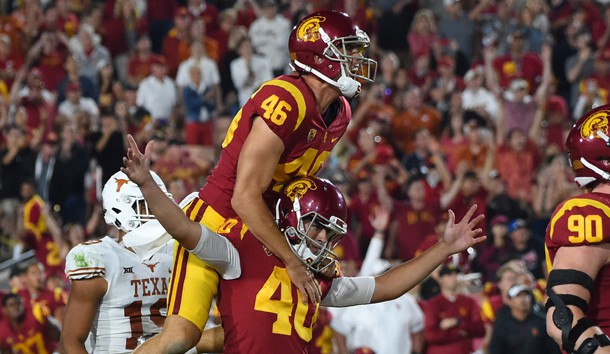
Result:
[[284, 307], [275, 109], [587, 228]]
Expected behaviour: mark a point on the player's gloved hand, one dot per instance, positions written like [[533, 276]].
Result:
[[304, 280]]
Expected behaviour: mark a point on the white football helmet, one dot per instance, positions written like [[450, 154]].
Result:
[[123, 203]]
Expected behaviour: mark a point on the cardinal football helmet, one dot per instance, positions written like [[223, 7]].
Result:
[[307, 202], [329, 45], [124, 205], [588, 146]]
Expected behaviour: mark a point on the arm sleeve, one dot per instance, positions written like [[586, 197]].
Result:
[[219, 253], [350, 291]]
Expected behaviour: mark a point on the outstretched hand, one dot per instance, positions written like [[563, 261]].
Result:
[[137, 165], [460, 236]]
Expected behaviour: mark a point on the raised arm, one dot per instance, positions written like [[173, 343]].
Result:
[[175, 222], [197, 239], [456, 238]]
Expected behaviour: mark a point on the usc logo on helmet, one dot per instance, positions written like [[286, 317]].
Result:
[[309, 30], [298, 188], [593, 124]]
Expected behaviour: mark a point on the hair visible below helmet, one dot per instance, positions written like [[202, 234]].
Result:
[[588, 146], [307, 201], [123, 203], [332, 36]]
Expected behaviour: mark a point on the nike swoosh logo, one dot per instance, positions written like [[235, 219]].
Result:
[[333, 140]]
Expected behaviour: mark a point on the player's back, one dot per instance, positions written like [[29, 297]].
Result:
[[135, 302], [288, 107], [578, 221]]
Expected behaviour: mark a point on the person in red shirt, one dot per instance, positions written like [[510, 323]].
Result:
[[412, 221], [49, 55], [35, 293], [177, 42], [25, 330], [36, 234], [205, 10], [138, 66], [452, 319], [467, 189], [518, 64]]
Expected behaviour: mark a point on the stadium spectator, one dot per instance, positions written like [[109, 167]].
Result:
[[140, 61], [200, 108], [423, 33], [526, 247], [176, 43], [519, 328], [35, 293], [452, 320], [157, 92], [75, 103], [413, 116], [26, 329], [108, 144], [269, 34], [412, 220], [249, 71], [90, 53], [88, 88], [35, 235]]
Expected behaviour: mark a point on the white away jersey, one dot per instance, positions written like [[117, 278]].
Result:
[[135, 303]]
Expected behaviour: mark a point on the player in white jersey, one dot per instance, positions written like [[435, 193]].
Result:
[[118, 295]]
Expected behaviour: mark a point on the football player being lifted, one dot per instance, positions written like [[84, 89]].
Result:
[[287, 128]]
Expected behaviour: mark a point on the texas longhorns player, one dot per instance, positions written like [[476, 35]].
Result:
[[116, 296]]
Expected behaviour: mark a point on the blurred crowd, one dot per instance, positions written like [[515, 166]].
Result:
[[471, 104]]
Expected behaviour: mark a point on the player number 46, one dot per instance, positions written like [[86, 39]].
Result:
[[275, 109], [284, 307], [587, 228]]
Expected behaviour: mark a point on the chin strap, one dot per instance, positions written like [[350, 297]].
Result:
[[348, 86]]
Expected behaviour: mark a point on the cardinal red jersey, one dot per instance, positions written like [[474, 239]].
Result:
[[578, 221], [322, 341], [288, 107], [30, 337], [414, 226], [38, 237], [49, 300], [261, 311]]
